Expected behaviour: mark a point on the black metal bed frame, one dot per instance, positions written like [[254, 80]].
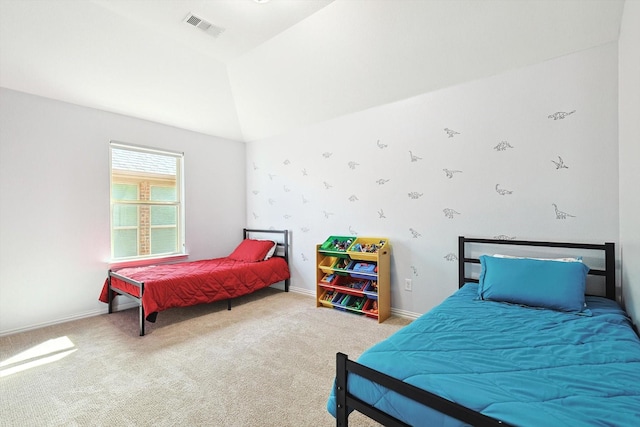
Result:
[[282, 250], [346, 402]]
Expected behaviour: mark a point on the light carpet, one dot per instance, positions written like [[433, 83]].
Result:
[[270, 361]]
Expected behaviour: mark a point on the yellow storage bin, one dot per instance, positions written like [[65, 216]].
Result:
[[326, 264], [326, 297], [367, 248]]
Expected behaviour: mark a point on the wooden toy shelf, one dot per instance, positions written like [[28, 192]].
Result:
[[352, 274]]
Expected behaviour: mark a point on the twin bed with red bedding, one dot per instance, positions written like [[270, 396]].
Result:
[[253, 265]]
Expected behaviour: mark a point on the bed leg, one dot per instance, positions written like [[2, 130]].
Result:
[[141, 320], [342, 416], [109, 293], [229, 304], [286, 285]]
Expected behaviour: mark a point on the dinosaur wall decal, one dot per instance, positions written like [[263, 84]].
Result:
[[560, 115], [414, 158], [502, 146], [560, 163], [560, 214], [502, 191], [450, 172], [449, 213], [451, 132]]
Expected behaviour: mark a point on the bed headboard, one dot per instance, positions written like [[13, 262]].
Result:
[[281, 237], [606, 249]]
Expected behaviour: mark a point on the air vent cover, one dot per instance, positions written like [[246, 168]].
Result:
[[203, 25]]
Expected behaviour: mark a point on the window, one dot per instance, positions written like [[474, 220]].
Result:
[[147, 210]]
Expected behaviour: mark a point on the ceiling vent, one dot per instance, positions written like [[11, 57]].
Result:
[[203, 25]]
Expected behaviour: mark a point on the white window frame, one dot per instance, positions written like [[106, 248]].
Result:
[[179, 203]]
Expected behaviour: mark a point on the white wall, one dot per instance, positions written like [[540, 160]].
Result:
[[54, 202], [355, 174], [358, 54], [629, 51]]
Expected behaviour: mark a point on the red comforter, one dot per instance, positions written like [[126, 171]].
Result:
[[190, 283]]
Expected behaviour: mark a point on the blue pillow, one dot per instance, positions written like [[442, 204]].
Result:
[[557, 285]]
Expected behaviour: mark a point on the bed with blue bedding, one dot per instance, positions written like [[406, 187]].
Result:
[[493, 355]]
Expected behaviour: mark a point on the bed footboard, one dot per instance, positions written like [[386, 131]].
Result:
[[140, 286], [346, 402]]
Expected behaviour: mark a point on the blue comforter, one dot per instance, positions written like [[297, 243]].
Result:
[[524, 366]]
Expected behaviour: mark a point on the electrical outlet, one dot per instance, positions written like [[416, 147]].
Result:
[[407, 285]]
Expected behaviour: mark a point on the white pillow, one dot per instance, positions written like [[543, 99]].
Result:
[[576, 259], [271, 251]]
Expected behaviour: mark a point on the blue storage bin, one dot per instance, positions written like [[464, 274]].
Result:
[[341, 300], [362, 270]]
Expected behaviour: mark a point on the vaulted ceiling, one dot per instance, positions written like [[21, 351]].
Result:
[[264, 68]]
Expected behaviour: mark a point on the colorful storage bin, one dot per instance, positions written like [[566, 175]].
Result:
[[341, 264], [366, 248], [326, 265], [326, 297], [340, 300], [371, 290], [350, 285], [329, 279], [356, 303], [362, 270], [337, 244], [370, 308]]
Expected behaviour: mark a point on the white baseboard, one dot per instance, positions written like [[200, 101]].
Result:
[[78, 316], [405, 313], [52, 322], [308, 292]]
